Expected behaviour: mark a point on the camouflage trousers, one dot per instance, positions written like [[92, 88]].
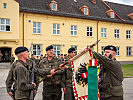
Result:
[[112, 98], [69, 95], [52, 92]]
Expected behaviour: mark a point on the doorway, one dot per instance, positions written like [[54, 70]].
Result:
[[6, 54]]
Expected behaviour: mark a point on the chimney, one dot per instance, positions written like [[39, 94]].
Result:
[[94, 1]]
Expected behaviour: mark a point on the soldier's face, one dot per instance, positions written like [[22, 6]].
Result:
[[25, 55], [50, 53], [107, 53], [72, 54]]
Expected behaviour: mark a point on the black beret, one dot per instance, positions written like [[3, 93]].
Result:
[[110, 47], [20, 49], [49, 47], [70, 50]]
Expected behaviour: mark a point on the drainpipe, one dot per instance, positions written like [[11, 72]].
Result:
[[23, 28], [97, 34]]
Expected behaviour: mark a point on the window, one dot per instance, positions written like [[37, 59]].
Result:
[[86, 11], [117, 51], [36, 28], [116, 33], [112, 14], [56, 29], [102, 50], [4, 5], [37, 50], [54, 7], [5, 25], [74, 46], [128, 51], [103, 32], [73, 30], [89, 31], [128, 34], [56, 49]]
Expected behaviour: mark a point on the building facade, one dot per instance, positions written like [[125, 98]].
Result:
[[37, 24]]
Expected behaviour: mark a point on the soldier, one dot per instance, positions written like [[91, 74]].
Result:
[[111, 76], [19, 75], [1, 55], [68, 90], [33, 57], [12, 59], [53, 83], [62, 58], [6, 56]]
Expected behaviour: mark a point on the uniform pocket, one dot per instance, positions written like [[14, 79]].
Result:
[[117, 90]]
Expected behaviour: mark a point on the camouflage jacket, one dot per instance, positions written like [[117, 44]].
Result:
[[68, 75], [52, 64]]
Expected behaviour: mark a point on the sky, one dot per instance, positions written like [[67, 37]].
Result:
[[126, 2]]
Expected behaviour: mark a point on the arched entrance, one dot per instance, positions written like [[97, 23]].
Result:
[[5, 54]]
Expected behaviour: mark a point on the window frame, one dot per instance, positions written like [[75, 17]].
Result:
[[112, 15], [5, 25], [89, 31], [128, 34], [117, 33], [102, 50], [86, 11], [36, 49], [36, 27], [103, 32], [129, 51], [56, 50], [117, 51], [73, 30], [54, 5], [56, 29]]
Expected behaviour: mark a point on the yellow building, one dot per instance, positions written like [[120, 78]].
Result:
[[37, 24]]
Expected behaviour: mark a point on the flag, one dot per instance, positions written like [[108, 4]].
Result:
[[80, 76], [85, 79]]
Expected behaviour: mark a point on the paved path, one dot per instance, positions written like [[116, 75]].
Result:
[[127, 85]]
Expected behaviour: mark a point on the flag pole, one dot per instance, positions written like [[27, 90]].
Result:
[[74, 58]]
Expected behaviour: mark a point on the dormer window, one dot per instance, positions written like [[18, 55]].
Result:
[[85, 10], [130, 16], [110, 13], [53, 5]]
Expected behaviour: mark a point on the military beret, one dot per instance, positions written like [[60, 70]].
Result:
[[70, 50], [110, 47], [20, 49], [49, 47]]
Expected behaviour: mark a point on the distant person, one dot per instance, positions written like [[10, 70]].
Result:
[[12, 59], [1, 55]]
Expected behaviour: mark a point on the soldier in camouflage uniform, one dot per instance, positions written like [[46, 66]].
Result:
[[53, 83], [21, 85], [111, 76], [68, 90], [12, 59], [6, 56]]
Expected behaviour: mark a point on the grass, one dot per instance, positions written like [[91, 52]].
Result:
[[127, 70]]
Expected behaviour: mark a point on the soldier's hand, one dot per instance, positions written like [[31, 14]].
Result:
[[35, 91], [49, 75], [10, 93], [64, 90], [52, 71], [64, 67], [34, 84]]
